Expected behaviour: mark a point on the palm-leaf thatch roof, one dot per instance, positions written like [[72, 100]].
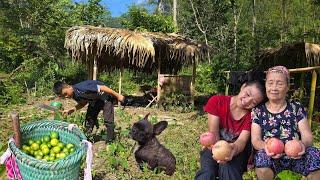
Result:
[[296, 55], [116, 48]]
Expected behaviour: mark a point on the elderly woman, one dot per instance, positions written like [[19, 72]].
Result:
[[285, 120]]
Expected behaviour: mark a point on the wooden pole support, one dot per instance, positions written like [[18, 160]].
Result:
[[312, 95], [16, 128]]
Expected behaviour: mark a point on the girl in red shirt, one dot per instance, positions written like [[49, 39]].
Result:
[[229, 118]]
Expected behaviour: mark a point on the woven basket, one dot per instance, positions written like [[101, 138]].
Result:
[[67, 168]]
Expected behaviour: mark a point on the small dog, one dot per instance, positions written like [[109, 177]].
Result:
[[150, 150]]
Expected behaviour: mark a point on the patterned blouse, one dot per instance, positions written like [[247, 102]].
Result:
[[283, 125]]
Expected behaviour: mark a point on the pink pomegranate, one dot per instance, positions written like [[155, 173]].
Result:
[[221, 150], [275, 145], [207, 139], [292, 148]]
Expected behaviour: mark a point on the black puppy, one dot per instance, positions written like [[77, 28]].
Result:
[[150, 150]]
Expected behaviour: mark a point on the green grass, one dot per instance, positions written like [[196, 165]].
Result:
[[116, 160]]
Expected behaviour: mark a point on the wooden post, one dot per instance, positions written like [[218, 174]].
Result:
[[158, 87], [302, 84], [120, 82], [90, 69], [94, 75], [193, 81], [16, 128], [312, 95], [227, 84]]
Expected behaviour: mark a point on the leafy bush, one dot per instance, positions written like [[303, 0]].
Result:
[[139, 18]]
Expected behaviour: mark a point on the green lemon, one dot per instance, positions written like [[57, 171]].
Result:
[[61, 145], [25, 148], [69, 146], [38, 157], [56, 149], [46, 158], [65, 150], [43, 145], [30, 142], [54, 135], [54, 142], [71, 150], [62, 155], [46, 139], [45, 151], [35, 146], [52, 154], [51, 158], [38, 142]]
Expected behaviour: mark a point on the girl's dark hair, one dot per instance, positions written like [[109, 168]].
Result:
[[257, 78]]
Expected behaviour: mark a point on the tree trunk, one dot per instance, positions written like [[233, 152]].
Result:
[[283, 21], [235, 33], [254, 25], [314, 21], [174, 13], [201, 28], [160, 7]]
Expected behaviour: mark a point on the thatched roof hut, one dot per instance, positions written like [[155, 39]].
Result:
[[108, 48], [296, 55], [120, 48]]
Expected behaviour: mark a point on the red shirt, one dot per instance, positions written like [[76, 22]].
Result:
[[230, 128]]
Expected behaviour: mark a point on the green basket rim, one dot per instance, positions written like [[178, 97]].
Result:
[[44, 165]]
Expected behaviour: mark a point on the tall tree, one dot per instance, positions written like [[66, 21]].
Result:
[[174, 12]]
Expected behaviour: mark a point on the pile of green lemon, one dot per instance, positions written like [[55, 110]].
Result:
[[48, 148]]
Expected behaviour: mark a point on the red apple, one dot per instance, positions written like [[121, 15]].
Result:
[[207, 139], [292, 148], [275, 145], [221, 150]]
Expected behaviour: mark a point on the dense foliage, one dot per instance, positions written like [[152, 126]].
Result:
[[32, 36], [32, 54]]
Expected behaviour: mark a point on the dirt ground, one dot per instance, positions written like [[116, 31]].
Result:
[[176, 118]]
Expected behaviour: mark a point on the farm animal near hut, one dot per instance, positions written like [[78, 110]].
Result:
[[149, 149]]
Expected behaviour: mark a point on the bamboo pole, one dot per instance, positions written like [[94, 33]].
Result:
[[312, 95], [193, 81], [94, 75], [158, 87], [120, 82]]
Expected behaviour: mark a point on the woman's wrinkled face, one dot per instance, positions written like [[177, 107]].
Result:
[[249, 97], [276, 86]]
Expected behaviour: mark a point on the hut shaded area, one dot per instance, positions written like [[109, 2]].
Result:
[[292, 56], [120, 48]]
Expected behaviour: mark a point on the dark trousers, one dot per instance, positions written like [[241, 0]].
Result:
[[92, 114], [232, 170]]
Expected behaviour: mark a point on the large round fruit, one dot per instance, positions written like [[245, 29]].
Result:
[[207, 139], [292, 148], [275, 145], [221, 150]]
